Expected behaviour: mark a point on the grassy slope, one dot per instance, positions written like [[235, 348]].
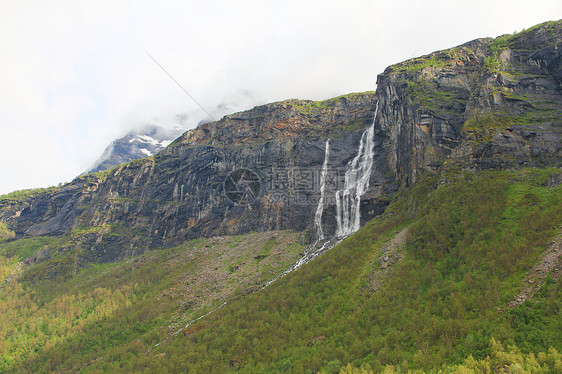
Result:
[[469, 243], [106, 309], [5, 232]]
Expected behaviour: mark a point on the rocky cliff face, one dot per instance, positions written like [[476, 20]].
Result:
[[489, 103], [183, 192], [149, 139], [139, 143], [485, 104]]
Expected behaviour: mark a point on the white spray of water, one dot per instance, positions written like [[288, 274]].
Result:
[[320, 207], [348, 199]]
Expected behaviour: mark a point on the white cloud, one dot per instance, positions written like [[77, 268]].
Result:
[[74, 75]]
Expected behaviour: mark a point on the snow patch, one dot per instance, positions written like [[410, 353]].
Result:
[[147, 139]]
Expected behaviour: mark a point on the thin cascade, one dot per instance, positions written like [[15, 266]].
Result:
[[348, 199], [320, 208]]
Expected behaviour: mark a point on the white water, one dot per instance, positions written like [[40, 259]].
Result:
[[348, 199], [320, 208], [310, 254]]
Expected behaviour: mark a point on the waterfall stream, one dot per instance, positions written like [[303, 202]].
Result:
[[320, 207], [348, 199]]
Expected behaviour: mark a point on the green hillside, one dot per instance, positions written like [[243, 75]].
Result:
[[426, 286], [104, 308], [470, 243]]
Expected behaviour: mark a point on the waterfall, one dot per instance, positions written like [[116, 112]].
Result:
[[320, 207], [348, 199]]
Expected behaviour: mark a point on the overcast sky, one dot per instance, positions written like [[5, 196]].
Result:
[[74, 74]]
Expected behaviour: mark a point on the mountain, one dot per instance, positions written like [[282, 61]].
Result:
[[150, 139], [486, 104], [138, 143], [179, 261]]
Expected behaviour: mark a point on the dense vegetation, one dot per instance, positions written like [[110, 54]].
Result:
[[471, 238], [471, 241], [5, 232], [48, 310], [500, 359]]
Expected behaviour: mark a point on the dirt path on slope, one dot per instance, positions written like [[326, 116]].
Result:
[[391, 253], [550, 263]]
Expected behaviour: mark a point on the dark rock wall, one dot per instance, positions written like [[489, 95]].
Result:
[[485, 104], [488, 103]]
